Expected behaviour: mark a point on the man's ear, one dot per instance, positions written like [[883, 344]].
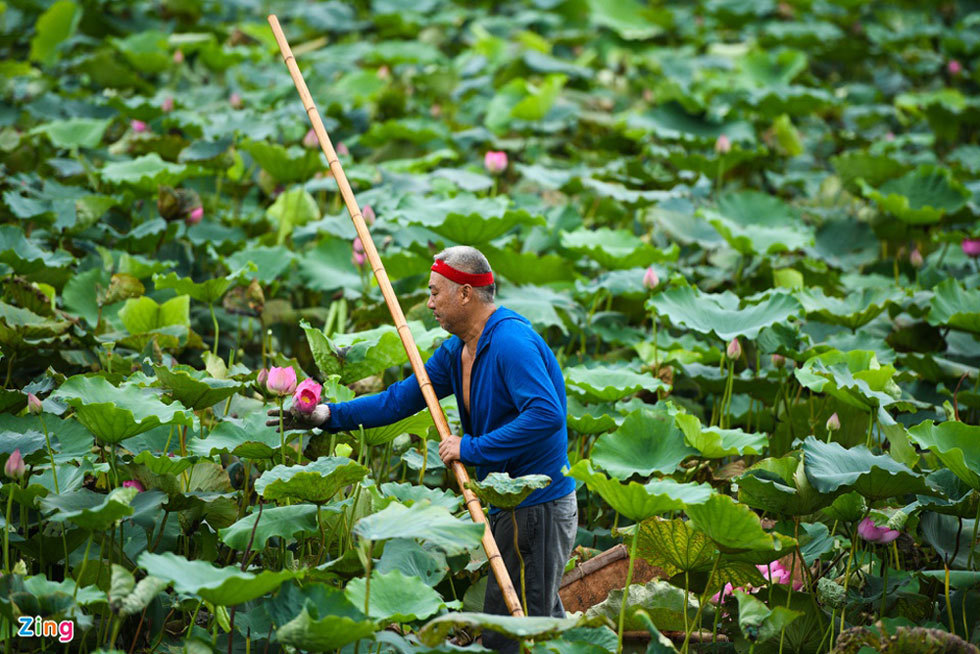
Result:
[[465, 293]]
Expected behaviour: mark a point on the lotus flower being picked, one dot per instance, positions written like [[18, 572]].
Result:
[[281, 381], [307, 396]]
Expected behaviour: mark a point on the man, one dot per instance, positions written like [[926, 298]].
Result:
[[511, 398]]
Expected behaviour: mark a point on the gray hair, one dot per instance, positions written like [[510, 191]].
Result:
[[470, 260]]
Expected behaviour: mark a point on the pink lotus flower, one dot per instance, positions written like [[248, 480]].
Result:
[[167, 105], [34, 405], [281, 381], [342, 150], [734, 349], [778, 360], [15, 467], [178, 57], [310, 140], [132, 483], [307, 396], [723, 145], [262, 378], [495, 162], [368, 214], [384, 73], [875, 534], [194, 216], [954, 67], [137, 126], [971, 247], [235, 100], [650, 278], [359, 256], [833, 422], [915, 258]]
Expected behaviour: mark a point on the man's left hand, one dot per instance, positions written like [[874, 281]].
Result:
[[449, 449]]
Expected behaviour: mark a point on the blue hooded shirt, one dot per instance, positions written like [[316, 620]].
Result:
[[516, 423]]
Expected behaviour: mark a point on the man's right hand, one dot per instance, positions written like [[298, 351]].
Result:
[[293, 419]]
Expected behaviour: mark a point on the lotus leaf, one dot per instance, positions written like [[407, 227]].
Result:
[[145, 173], [431, 524], [114, 414], [285, 165], [330, 632], [21, 329], [408, 494], [612, 249], [55, 25], [641, 501], [956, 444], [502, 491], [670, 121], [720, 313], [833, 469], [209, 291], [395, 597], [194, 389], [780, 486], [279, 521], [664, 602], [674, 546], [143, 315], [610, 384], [920, 197], [855, 378], [716, 443], [404, 554], [756, 223], [734, 527], [126, 597], [163, 464], [316, 482], [955, 306], [590, 418], [248, 438], [102, 512], [415, 424], [757, 622], [537, 304], [852, 311], [631, 20], [226, 586], [648, 441], [74, 133], [525, 628]]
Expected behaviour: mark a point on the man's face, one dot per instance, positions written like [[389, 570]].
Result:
[[445, 301]]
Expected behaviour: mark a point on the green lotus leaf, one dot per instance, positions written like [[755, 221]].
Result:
[[270, 262], [114, 414], [853, 310], [537, 304], [195, 389], [780, 486], [415, 424], [920, 197], [849, 507], [280, 521], [463, 218], [957, 445], [25, 256], [431, 524], [716, 443], [757, 223], [409, 494], [528, 267], [855, 378], [163, 464], [674, 546], [22, 329], [248, 438], [145, 173], [647, 441], [102, 516], [671, 122], [285, 165], [631, 20], [146, 51], [525, 628], [466, 180], [74, 132], [613, 249], [833, 469], [226, 586], [955, 306], [720, 313], [875, 169], [406, 555], [395, 597], [733, 527], [591, 418], [143, 315], [369, 352], [663, 602], [610, 384], [311, 632], [316, 482], [53, 27], [962, 579], [209, 291], [641, 501], [505, 492], [757, 622], [292, 209], [968, 158], [621, 193]]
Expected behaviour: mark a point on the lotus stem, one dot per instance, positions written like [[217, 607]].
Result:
[[847, 573], [81, 573], [6, 532], [626, 589], [704, 597], [367, 579], [10, 369], [54, 472], [282, 433], [687, 586], [214, 319], [973, 542], [949, 604], [520, 559], [425, 460], [884, 584]]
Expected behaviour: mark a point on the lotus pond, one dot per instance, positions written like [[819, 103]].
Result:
[[747, 228]]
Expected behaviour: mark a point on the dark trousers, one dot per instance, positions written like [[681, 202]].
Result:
[[545, 535]]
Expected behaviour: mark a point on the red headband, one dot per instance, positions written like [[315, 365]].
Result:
[[460, 277]]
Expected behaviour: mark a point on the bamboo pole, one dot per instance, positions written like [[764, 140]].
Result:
[[435, 410]]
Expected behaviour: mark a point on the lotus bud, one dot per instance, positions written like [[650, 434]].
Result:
[[310, 140], [137, 125], [954, 67], [167, 105], [435, 110], [20, 568], [833, 422], [889, 136], [262, 380], [650, 279], [869, 531], [778, 360], [281, 381], [368, 214], [342, 149], [723, 145], [34, 405], [384, 73], [179, 57], [132, 483], [830, 593], [915, 258], [971, 247], [734, 350], [235, 100], [359, 257], [307, 396], [194, 216], [495, 162], [15, 467]]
